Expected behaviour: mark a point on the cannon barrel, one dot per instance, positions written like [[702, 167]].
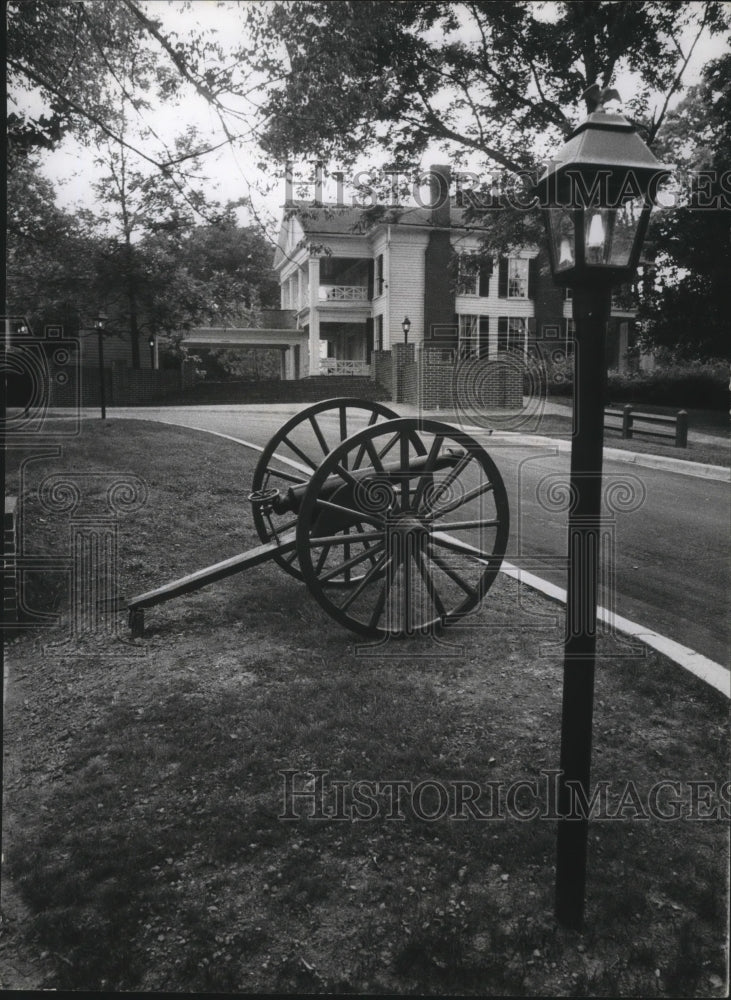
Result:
[[291, 500]]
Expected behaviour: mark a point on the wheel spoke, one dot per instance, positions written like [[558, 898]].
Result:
[[452, 574], [346, 554], [381, 600], [370, 576], [283, 527], [408, 590], [366, 544], [454, 473], [285, 475], [486, 487], [360, 515], [315, 541], [389, 445], [425, 477], [361, 557], [374, 456], [455, 545], [404, 464], [298, 451], [463, 525], [344, 430], [321, 558], [431, 585], [320, 436]]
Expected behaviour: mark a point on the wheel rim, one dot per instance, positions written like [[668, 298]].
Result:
[[427, 545], [295, 452]]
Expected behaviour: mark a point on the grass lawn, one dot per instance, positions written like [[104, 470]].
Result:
[[147, 830]]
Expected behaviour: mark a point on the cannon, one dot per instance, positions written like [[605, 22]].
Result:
[[396, 525]]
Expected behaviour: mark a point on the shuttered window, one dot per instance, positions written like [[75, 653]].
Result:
[[512, 333], [474, 335]]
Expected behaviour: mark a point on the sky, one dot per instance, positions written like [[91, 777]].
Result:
[[233, 172]]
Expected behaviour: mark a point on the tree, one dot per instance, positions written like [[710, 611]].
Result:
[[500, 79], [497, 85], [686, 307], [51, 255], [61, 267]]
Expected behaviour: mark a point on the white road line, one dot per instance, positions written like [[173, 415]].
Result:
[[695, 663]]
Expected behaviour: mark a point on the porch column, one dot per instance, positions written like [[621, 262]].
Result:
[[314, 318]]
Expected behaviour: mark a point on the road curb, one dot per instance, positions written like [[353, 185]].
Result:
[[663, 463]]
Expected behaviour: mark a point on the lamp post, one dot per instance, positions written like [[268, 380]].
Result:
[[100, 322], [151, 342], [596, 195], [406, 326]]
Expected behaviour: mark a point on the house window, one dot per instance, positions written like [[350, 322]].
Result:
[[379, 274], [517, 278], [512, 333], [378, 332], [568, 294], [473, 275], [474, 332], [468, 275]]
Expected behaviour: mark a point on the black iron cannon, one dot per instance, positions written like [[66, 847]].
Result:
[[398, 526]]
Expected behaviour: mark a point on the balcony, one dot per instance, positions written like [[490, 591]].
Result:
[[332, 366], [343, 293]]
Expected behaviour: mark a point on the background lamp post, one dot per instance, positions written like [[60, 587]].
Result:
[[596, 195], [100, 322], [151, 342], [406, 326]]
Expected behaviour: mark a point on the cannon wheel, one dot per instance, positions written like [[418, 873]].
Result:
[[431, 540], [295, 452]]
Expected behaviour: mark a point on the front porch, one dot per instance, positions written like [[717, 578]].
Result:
[[344, 349]]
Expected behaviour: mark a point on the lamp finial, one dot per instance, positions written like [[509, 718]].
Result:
[[596, 97]]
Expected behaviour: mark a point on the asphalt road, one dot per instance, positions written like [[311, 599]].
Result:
[[670, 565]]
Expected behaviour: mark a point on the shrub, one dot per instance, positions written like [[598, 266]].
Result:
[[698, 384]]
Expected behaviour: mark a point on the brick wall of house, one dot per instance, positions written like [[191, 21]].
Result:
[[382, 369]]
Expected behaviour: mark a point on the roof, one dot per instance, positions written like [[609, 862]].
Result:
[[333, 219]]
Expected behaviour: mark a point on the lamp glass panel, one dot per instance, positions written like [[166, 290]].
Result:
[[563, 238], [626, 227], [598, 227]]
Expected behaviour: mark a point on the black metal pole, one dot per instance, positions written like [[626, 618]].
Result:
[[100, 335], [591, 307]]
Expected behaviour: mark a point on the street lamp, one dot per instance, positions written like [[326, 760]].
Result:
[[596, 195], [406, 326], [151, 342], [100, 322]]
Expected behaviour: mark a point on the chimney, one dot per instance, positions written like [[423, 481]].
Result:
[[439, 180], [439, 296]]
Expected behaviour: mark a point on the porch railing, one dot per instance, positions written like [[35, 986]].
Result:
[[343, 293], [331, 366]]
